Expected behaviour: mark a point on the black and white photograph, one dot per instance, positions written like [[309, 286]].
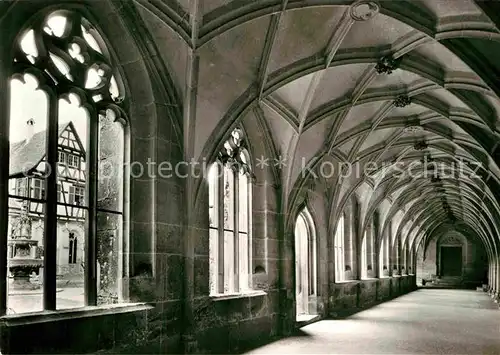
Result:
[[250, 177]]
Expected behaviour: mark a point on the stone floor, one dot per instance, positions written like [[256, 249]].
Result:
[[427, 321]]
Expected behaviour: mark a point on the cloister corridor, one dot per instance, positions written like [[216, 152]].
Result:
[[249, 176], [427, 321]]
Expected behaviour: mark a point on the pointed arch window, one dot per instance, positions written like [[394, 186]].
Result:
[[305, 265], [384, 257], [340, 250], [396, 255], [72, 133], [230, 196], [364, 257], [368, 252], [411, 267], [404, 261]]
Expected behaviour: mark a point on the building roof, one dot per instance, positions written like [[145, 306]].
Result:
[[26, 155]]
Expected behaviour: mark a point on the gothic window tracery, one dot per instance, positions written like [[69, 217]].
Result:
[[230, 192], [63, 68]]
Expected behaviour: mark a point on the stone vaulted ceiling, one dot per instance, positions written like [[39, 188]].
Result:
[[393, 84]]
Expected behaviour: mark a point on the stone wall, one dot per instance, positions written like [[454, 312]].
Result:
[[232, 325], [168, 249], [347, 297], [222, 324], [235, 324], [474, 261], [76, 331], [155, 206]]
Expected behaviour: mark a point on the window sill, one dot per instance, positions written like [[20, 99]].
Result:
[[346, 281], [246, 294], [306, 318], [65, 314]]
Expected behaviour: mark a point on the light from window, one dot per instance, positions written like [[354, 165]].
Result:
[[95, 77], [56, 25], [24, 213], [404, 261], [364, 257], [113, 89], [90, 39], [372, 252], [229, 209], [384, 257], [387, 243], [339, 250], [50, 49], [61, 65], [213, 215], [410, 263], [302, 273], [368, 253], [28, 46], [305, 264]]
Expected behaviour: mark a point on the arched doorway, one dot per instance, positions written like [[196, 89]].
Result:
[[451, 255], [305, 267]]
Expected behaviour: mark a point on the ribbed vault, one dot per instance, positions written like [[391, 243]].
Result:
[[404, 91]]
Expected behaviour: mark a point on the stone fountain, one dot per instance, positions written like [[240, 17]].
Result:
[[22, 256]]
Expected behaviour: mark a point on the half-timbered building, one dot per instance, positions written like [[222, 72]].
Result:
[[27, 182]]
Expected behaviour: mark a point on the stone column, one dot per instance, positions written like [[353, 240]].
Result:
[[286, 279], [357, 241], [490, 276], [189, 122], [370, 251], [493, 277], [189, 341], [390, 257]]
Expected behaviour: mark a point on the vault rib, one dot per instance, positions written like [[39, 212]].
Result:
[[272, 34], [333, 45]]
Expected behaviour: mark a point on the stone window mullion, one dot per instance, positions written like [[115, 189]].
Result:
[[220, 210], [91, 198], [50, 216], [236, 245]]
